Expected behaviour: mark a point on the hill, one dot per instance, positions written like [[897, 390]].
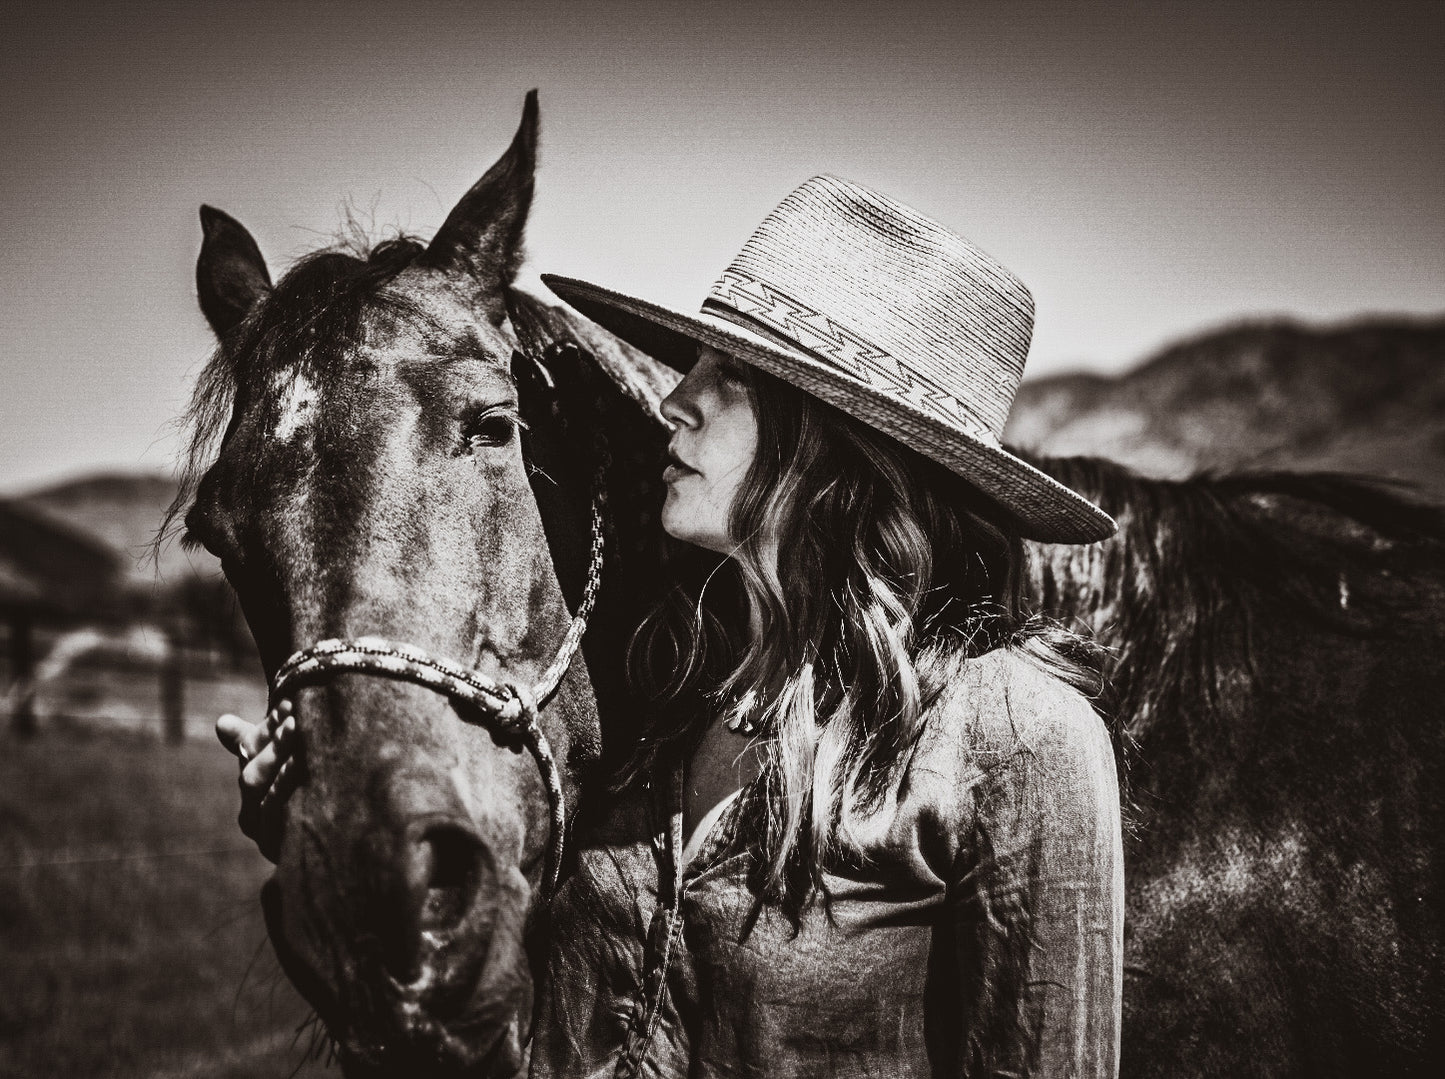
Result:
[[1363, 397], [48, 565], [124, 511]]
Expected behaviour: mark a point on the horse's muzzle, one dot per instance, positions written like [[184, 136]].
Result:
[[412, 948]]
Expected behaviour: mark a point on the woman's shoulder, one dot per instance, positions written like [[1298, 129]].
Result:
[[1009, 745], [1004, 744], [1004, 703]]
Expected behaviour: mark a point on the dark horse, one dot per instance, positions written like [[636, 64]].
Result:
[[1278, 658], [406, 449], [374, 457]]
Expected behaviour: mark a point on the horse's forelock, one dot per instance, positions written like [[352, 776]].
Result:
[[310, 322]]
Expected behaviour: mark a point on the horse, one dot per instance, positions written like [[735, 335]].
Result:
[[1277, 652], [411, 510], [399, 443]]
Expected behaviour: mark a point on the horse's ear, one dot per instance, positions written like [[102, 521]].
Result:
[[482, 236], [231, 275]]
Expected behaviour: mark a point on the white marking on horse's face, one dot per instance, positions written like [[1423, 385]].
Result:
[[466, 790], [295, 405]]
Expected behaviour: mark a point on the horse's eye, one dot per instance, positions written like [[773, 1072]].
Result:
[[489, 429]]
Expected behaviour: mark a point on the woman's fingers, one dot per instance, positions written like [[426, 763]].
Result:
[[236, 735], [285, 735], [262, 747], [261, 769], [268, 770]]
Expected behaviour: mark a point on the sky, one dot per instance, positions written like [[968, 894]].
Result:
[[1151, 170]]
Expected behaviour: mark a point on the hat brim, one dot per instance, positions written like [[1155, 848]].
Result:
[[1044, 508]]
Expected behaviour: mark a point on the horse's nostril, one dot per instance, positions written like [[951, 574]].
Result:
[[442, 871], [450, 864]]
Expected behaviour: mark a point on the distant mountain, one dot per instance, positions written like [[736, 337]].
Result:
[[124, 511], [1364, 397]]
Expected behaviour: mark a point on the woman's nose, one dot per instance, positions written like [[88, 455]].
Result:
[[678, 408]]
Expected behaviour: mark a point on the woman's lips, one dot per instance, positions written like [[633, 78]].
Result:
[[676, 469]]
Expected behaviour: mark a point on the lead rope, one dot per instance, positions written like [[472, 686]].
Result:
[[501, 706]]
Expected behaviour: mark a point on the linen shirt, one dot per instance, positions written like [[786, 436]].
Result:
[[974, 926]]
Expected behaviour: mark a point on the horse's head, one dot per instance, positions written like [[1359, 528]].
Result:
[[370, 481]]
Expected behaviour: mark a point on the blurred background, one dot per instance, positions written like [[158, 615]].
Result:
[[1232, 216]]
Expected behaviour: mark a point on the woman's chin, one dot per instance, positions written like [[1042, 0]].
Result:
[[686, 527]]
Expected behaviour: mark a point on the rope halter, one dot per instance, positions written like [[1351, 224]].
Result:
[[503, 707]]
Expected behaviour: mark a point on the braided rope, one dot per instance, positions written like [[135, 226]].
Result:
[[502, 707], [552, 676]]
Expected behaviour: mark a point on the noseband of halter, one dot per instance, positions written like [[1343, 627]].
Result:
[[506, 709]]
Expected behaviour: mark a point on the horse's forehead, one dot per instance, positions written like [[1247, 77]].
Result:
[[446, 319], [405, 325], [299, 397]]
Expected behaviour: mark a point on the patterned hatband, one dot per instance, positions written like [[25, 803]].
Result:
[[736, 297]]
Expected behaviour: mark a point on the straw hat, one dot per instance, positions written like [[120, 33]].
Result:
[[883, 313]]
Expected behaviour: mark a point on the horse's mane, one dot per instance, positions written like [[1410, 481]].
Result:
[[1178, 593], [640, 378]]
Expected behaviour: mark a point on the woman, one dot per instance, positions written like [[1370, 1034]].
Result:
[[873, 827]]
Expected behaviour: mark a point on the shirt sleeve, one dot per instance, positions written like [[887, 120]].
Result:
[[1039, 901]]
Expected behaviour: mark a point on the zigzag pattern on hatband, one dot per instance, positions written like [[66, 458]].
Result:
[[822, 336]]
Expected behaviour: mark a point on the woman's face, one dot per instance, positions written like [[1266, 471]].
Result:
[[714, 440]]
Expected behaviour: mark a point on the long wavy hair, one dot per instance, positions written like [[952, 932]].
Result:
[[863, 574]]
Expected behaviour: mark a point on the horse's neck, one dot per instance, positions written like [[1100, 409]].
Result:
[[637, 448], [607, 397]]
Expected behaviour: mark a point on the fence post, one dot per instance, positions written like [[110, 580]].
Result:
[[22, 673], [173, 689]]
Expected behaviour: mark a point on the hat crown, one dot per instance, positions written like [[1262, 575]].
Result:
[[887, 295]]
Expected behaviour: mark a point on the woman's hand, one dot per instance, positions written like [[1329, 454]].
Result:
[[265, 752]]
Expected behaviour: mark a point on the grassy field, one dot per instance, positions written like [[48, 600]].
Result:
[[131, 939]]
